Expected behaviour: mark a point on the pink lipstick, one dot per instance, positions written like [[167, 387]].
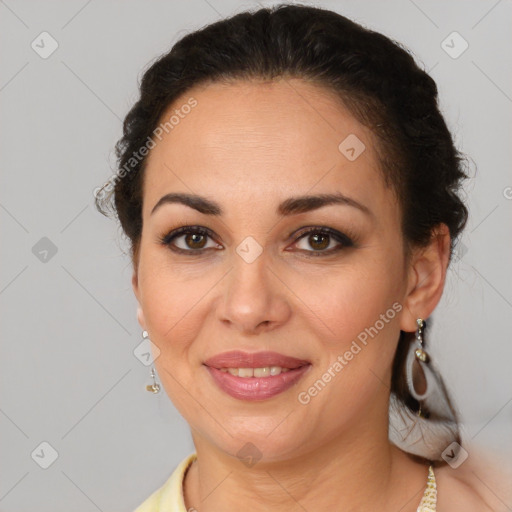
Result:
[[255, 376]]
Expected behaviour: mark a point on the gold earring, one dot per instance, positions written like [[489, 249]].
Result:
[[155, 387]]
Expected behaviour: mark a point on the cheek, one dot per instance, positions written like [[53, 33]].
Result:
[[170, 309], [172, 295], [357, 315], [354, 300]]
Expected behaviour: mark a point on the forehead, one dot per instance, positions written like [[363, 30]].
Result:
[[262, 139]]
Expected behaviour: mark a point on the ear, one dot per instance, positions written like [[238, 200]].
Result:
[[427, 275], [136, 291]]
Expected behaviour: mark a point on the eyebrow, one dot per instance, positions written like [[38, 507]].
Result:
[[291, 206]]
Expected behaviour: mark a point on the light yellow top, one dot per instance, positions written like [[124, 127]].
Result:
[[169, 498]]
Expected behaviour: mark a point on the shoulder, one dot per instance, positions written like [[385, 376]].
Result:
[[479, 484], [153, 502], [169, 497]]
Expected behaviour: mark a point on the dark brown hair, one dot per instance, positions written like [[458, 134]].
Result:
[[374, 77]]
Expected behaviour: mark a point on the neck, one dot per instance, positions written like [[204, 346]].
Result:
[[359, 470]]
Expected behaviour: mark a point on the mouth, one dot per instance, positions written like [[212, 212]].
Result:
[[256, 376], [266, 371]]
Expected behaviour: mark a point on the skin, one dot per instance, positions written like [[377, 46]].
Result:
[[249, 146]]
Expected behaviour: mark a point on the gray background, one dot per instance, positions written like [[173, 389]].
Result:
[[68, 331]]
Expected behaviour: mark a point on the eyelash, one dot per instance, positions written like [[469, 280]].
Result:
[[343, 239]]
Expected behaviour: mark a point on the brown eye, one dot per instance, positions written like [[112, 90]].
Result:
[[320, 239], [188, 239], [195, 241]]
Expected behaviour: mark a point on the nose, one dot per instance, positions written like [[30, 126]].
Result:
[[254, 298]]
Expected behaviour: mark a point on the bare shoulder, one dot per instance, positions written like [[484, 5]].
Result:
[[480, 484]]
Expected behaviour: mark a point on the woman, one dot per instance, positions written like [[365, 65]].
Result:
[[289, 189]]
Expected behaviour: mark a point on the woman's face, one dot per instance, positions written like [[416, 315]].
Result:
[[257, 282]]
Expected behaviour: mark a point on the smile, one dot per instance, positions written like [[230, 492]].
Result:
[[256, 376]]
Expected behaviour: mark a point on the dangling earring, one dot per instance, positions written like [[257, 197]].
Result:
[[155, 387], [416, 367], [432, 425]]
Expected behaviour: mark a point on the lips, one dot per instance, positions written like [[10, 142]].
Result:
[[289, 370], [238, 359]]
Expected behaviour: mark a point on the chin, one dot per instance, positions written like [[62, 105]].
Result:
[[257, 439]]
